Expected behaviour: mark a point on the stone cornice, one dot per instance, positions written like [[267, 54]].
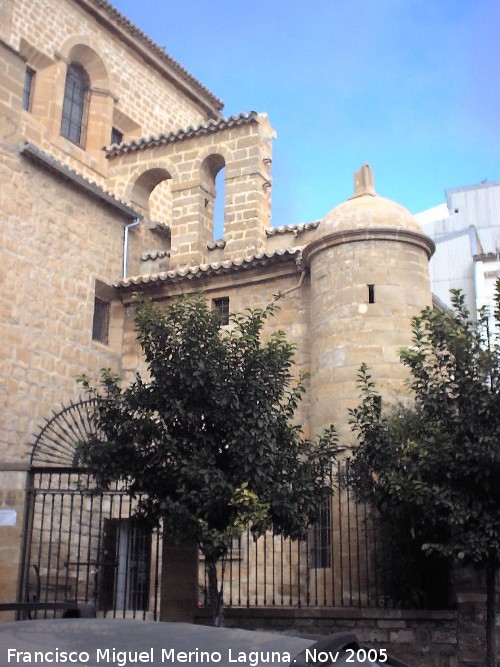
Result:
[[35, 154], [420, 241], [12, 50]]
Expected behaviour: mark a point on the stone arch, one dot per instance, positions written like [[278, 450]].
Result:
[[210, 155], [78, 49], [210, 167], [142, 186], [150, 192]]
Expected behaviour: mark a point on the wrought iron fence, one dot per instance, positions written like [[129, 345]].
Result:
[[349, 559], [85, 545]]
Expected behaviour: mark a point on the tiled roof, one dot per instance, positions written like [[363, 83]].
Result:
[[154, 254], [217, 268], [210, 127], [220, 244], [159, 51], [486, 257], [37, 155], [293, 229], [159, 227]]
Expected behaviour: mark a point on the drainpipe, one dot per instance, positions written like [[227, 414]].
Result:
[[280, 294], [478, 273], [131, 225], [474, 241]]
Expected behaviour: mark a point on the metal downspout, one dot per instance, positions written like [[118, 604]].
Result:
[[475, 249], [131, 225]]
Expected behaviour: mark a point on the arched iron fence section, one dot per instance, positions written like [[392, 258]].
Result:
[[83, 544]]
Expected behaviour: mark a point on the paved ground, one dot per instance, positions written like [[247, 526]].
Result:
[[126, 643]]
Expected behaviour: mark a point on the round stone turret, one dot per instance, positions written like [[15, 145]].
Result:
[[368, 263]]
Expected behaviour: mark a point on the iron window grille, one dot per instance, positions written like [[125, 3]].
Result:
[[321, 547], [75, 104], [221, 305]]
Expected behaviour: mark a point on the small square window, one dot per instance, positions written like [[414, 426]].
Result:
[[29, 80], [221, 305], [100, 325]]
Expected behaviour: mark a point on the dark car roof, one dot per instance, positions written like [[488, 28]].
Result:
[[94, 642], [166, 643]]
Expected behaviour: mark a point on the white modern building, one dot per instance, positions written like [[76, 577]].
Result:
[[466, 231]]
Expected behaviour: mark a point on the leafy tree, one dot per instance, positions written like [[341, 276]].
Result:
[[207, 434], [437, 465]]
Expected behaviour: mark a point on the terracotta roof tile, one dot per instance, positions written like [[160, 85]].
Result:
[[217, 268], [293, 229], [137, 33], [210, 127], [154, 254], [219, 244]]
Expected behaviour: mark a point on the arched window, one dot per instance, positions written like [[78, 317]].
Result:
[[75, 105], [219, 204], [213, 191]]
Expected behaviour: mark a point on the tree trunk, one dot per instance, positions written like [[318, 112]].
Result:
[[214, 594], [491, 571]]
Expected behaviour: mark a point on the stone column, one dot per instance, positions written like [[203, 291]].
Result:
[[13, 483]]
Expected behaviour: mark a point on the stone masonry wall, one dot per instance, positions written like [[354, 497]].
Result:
[[55, 242], [13, 480], [421, 638], [251, 290], [126, 91]]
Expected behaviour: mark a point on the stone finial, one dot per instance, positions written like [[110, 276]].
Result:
[[364, 183]]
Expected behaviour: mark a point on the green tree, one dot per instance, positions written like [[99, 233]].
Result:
[[207, 434], [438, 463]]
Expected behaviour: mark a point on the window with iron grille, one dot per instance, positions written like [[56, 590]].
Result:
[[221, 305], [321, 538], [29, 80], [100, 325], [75, 104]]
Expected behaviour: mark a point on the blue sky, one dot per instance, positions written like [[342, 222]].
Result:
[[410, 86]]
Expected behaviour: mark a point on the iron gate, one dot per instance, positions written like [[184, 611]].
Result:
[[83, 544]]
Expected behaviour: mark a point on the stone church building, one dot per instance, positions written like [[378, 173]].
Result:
[[109, 152]]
